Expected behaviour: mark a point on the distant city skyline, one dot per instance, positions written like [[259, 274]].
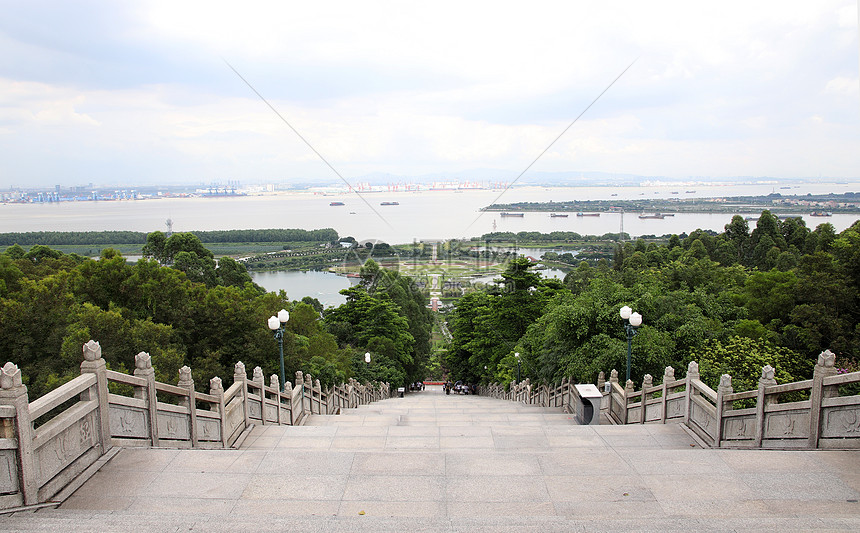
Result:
[[139, 94]]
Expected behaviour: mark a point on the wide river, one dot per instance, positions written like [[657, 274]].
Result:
[[419, 215]]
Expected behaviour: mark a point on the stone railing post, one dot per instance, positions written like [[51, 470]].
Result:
[[692, 373], [13, 392], [308, 389], [318, 390], [216, 388], [601, 380], [668, 377], [300, 384], [143, 369], [187, 382], [766, 380], [240, 375], [613, 378], [350, 391], [628, 391], [288, 396], [725, 387], [647, 382], [824, 367], [260, 384], [94, 364], [275, 383]]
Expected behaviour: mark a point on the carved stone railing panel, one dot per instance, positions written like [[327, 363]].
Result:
[[129, 422], [739, 428], [60, 447]]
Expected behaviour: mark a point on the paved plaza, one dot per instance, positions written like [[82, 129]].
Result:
[[432, 462]]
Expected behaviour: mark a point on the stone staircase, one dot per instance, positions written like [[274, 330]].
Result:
[[431, 462]]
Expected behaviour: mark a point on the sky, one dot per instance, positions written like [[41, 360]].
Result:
[[109, 92]]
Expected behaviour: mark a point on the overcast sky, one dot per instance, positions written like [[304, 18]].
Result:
[[137, 92]]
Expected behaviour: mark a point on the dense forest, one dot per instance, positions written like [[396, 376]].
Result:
[[778, 294], [185, 308]]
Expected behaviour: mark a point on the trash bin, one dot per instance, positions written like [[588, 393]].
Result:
[[401, 390], [587, 404]]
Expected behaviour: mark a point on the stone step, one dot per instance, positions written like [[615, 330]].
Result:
[[345, 517]]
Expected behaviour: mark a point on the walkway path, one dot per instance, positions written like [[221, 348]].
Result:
[[461, 463]]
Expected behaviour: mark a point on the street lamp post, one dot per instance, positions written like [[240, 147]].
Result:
[[517, 355], [634, 320], [277, 323]]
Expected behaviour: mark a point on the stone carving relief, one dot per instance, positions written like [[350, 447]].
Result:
[[216, 386], [693, 370], [185, 379], [64, 448], [784, 425], [254, 409], [235, 416], [142, 361], [86, 433], [740, 428], [826, 359], [208, 429], [92, 351], [669, 374], [173, 426], [8, 472], [700, 416], [842, 422], [239, 370], [10, 376], [674, 408]]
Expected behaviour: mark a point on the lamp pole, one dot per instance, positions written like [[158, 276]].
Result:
[[517, 355], [277, 323], [634, 320]]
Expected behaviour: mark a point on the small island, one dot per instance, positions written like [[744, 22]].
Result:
[[815, 205]]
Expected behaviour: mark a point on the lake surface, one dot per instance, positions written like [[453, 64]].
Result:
[[326, 286], [419, 215], [322, 285]]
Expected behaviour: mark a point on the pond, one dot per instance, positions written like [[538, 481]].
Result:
[[322, 285]]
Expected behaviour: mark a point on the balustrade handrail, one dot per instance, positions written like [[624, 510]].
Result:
[[47, 459], [824, 420], [60, 395]]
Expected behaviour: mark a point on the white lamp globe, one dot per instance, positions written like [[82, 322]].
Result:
[[274, 323], [367, 357], [283, 316], [625, 312], [635, 320]]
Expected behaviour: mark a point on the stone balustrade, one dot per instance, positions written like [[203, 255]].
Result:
[[822, 412], [45, 453]]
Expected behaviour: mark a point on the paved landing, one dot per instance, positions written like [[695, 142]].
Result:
[[431, 462]]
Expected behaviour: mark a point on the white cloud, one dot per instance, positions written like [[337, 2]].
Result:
[[408, 88], [843, 86]]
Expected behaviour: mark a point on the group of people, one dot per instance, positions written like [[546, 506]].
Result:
[[460, 388]]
